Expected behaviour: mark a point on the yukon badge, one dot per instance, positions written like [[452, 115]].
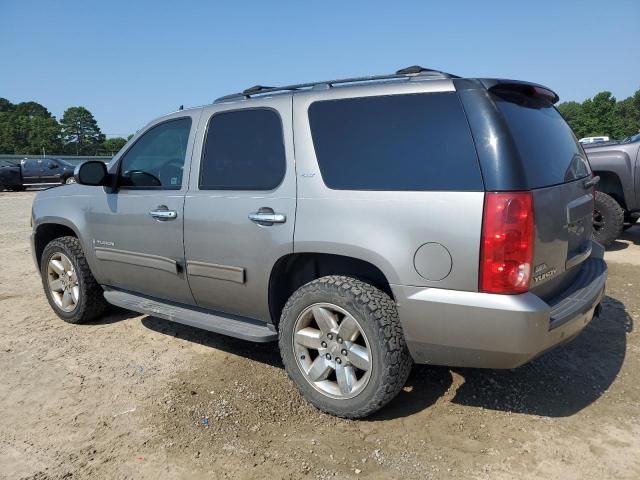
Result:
[[538, 276]]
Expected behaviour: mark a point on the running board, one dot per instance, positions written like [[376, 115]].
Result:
[[224, 323]]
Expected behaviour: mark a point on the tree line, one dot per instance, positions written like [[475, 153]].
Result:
[[603, 115], [28, 128]]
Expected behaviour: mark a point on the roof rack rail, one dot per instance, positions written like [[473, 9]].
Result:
[[408, 72]]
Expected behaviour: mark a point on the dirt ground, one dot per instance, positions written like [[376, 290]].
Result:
[[139, 397]]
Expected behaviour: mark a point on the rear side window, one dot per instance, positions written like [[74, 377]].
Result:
[[398, 142], [549, 150], [244, 150]]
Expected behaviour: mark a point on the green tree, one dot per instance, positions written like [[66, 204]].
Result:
[[112, 145], [7, 132], [81, 134], [44, 135], [603, 115], [32, 109], [6, 105]]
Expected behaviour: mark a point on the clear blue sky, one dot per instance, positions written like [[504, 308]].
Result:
[[130, 61]]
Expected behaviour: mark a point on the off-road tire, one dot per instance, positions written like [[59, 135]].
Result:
[[377, 315], [91, 303], [608, 219]]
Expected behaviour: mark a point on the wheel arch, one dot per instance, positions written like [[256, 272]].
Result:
[[49, 230], [293, 270], [611, 184]]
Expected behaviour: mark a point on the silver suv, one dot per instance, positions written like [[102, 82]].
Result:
[[364, 223]]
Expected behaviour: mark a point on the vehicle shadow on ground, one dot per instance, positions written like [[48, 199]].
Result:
[[632, 236], [113, 315], [561, 382], [558, 384], [426, 384], [260, 352]]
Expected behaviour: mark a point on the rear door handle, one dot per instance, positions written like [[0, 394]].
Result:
[[267, 218], [163, 213]]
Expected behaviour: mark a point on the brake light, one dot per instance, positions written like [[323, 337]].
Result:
[[506, 251]]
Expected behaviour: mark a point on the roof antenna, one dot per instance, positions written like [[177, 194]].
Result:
[[181, 107]]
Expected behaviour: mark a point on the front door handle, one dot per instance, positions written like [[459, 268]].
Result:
[[267, 217], [163, 213]]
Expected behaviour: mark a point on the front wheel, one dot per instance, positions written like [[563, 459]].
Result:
[[70, 180], [71, 290], [342, 345], [608, 219]]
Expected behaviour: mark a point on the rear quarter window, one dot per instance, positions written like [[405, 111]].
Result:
[[549, 151], [400, 142]]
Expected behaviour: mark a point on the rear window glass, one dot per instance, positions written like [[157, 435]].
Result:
[[548, 148], [398, 142]]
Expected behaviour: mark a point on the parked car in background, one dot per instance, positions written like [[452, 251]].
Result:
[[589, 140], [617, 203], [423, 218], [36, 172]]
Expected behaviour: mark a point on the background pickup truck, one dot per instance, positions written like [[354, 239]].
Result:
[[36, 172], [617, 203]]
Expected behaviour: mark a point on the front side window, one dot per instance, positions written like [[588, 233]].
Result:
[[156, 160], [243, 150]]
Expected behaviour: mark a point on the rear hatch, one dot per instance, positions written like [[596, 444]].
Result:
[[558, 174]]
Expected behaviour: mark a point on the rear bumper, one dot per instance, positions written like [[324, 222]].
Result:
[[471, 329]]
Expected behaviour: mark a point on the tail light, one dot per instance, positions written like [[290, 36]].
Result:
[[506, 251]]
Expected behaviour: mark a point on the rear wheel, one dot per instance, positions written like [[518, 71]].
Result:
[[72, 291], [342, 345], [608, 219]]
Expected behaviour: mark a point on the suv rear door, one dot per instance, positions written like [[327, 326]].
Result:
[[241, 205], [31, 171], [525, 144]]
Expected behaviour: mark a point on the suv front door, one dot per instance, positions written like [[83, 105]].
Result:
[[137, 231], [240, 209]]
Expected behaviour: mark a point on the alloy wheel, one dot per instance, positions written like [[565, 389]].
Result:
[[63, 282], [332, 350]]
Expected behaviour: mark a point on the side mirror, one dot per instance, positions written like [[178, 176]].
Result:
[[92, 173], [52, 165]]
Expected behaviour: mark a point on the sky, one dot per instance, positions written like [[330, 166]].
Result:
[[131, 61]]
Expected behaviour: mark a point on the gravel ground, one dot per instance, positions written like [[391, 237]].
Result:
[[139, 397]]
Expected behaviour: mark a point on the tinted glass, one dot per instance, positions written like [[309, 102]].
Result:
[[399, 142], [548, 148], [243, 150], [156, 160]]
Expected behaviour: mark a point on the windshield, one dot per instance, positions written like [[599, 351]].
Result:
[[633, 138]]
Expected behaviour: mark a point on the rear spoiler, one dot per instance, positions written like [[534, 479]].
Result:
[[523, 88]]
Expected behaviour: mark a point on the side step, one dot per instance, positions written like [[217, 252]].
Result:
[[224, 323]]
